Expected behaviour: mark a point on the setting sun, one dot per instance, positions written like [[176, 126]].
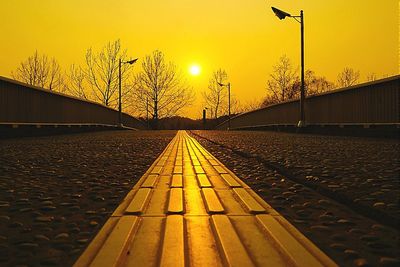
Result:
[[194, 70]]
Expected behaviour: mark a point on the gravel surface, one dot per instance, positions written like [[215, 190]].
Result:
[[57, 192], [341, 192]]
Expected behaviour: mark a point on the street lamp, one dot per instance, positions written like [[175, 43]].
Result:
[[281, 15], [228, 85], [147, 112], [119, 86]]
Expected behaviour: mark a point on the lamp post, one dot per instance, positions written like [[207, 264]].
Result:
[[281, 15], [119, 87], [147, 112], [228, 85], [204, 118]]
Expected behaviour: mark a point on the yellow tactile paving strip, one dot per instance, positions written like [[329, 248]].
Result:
[[190, 210]]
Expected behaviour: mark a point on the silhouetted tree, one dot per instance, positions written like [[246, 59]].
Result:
[[314, 84], [348, 77], [160, 85], [39, 71], [216, 97], [281, 85], [101, 73], [285, 85], [76, 82]]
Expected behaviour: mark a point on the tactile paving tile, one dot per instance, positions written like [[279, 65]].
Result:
[[188, 209]]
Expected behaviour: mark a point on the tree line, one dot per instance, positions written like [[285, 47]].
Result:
[[158, 89], [283, 84]]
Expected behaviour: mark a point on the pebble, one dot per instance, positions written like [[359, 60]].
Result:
[[4, 218], [93, 223], [44, 219], [62, 236], [82, 241], [41, 238], [25, 209], [324, 202], [379, 227], [379, 205], [90, 212], [352, 254], [345, 222]]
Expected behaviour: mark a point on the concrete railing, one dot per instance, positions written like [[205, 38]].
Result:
[[24, 104], [369, 103]]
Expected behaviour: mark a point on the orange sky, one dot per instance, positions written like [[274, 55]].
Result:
[[242, 37]]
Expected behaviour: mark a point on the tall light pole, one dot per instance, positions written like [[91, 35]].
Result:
[[281, 15], [119, 87], [228, 85], [204, 118], [147, 112]]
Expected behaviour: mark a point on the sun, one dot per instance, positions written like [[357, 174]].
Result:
[[194, 69]]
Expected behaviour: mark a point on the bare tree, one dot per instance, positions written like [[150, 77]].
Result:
[[39, 71], [76, 82], [101, 73], [348, 77], [314, 84], [216, 97], [281, 85], [161, 87]]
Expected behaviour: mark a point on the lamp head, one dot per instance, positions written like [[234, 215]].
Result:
[[220, 84], [132, 61], [280, 14]]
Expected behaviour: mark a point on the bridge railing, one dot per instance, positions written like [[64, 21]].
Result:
[[22, 103], [374, 102]]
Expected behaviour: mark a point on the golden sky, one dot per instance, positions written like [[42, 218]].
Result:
[[241, 36]]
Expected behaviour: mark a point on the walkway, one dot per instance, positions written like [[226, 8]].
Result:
[[190, 210]]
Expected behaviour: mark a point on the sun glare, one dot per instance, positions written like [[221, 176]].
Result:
[[194, 70]]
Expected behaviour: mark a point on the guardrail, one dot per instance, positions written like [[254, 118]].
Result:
[[374, 102], [24, 104]]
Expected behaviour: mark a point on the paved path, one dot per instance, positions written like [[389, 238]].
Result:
[[190, 210]]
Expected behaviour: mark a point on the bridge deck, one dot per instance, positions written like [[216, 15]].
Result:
[[188, 209]]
